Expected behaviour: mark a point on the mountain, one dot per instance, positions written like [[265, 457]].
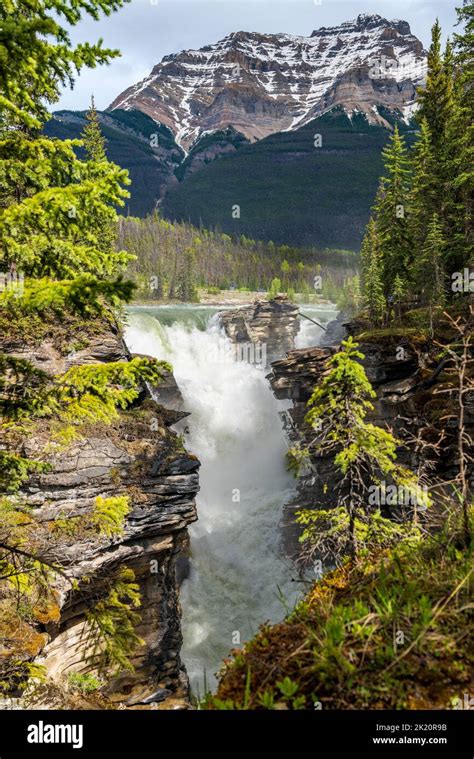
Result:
[[287, 128], [151, 162], [261, 84], [289, 191]]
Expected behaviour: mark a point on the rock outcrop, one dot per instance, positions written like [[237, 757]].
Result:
[[137, 456], [269, 325], [405, 371]]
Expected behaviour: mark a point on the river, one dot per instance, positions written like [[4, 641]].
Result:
[[238, 576]]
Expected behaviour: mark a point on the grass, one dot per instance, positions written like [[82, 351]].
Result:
[[391, 632]]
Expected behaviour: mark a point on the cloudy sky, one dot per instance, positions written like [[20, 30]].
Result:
[[146, 30]]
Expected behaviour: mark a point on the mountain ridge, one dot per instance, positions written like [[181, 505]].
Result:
[[261, 84]]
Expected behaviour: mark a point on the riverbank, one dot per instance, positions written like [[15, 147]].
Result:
[[231, 298]]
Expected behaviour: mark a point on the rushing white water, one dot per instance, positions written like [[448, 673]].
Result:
[[238, 577]]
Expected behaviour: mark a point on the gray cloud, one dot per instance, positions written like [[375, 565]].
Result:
[[146, 30]]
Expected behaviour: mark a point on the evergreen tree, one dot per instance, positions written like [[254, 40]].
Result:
[[428, 271], [423, 190], [92, 137], [435, 98], [185, 284], [391, 210], [51, 203], [374, 299], [94, 145], [399, 291], [364, 453]]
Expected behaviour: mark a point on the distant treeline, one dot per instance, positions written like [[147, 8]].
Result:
[[172, 260]]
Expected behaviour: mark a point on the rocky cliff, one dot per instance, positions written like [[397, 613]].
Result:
[[271, 326], [261, 84], [140, 457], [405, 370]]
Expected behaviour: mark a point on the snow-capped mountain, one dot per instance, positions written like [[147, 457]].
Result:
[[265, 83]]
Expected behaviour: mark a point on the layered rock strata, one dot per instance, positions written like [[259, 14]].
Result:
[[140, 457], [270, 325]]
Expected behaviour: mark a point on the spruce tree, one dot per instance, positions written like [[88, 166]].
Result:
[[423, 190], [374, 299], [391, 210], [399, 291], [92, 137], [185, 287], [428, 271], [94, 145], [364, 453], [435, 99]]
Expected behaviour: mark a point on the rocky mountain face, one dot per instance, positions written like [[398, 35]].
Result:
[[138, 456], [288, 128], [261, 84]]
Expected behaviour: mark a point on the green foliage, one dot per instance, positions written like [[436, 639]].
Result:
[[428, 271], [85, 295], [374, 300], [275, 288], [432, 235], [328, 528], [111, 625], [109, 514], [391, 211], [363, 453], [37, 57], [54, 206], [424, 187], [15, 470], [163, 259], [22, 387], [185, 281], [83, 683], [94, 392], [94, 146]]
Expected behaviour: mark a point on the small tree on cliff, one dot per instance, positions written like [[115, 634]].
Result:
[[364, 454]]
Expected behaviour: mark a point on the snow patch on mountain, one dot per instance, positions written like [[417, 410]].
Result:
[[261, 84]]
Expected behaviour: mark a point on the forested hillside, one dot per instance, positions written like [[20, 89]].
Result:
[[312, 186], [171, 260]]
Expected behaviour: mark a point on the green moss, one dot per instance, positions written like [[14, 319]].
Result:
[[83, 684], [377, 335]]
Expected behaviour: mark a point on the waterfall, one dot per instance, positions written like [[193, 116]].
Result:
[[238, 577]]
